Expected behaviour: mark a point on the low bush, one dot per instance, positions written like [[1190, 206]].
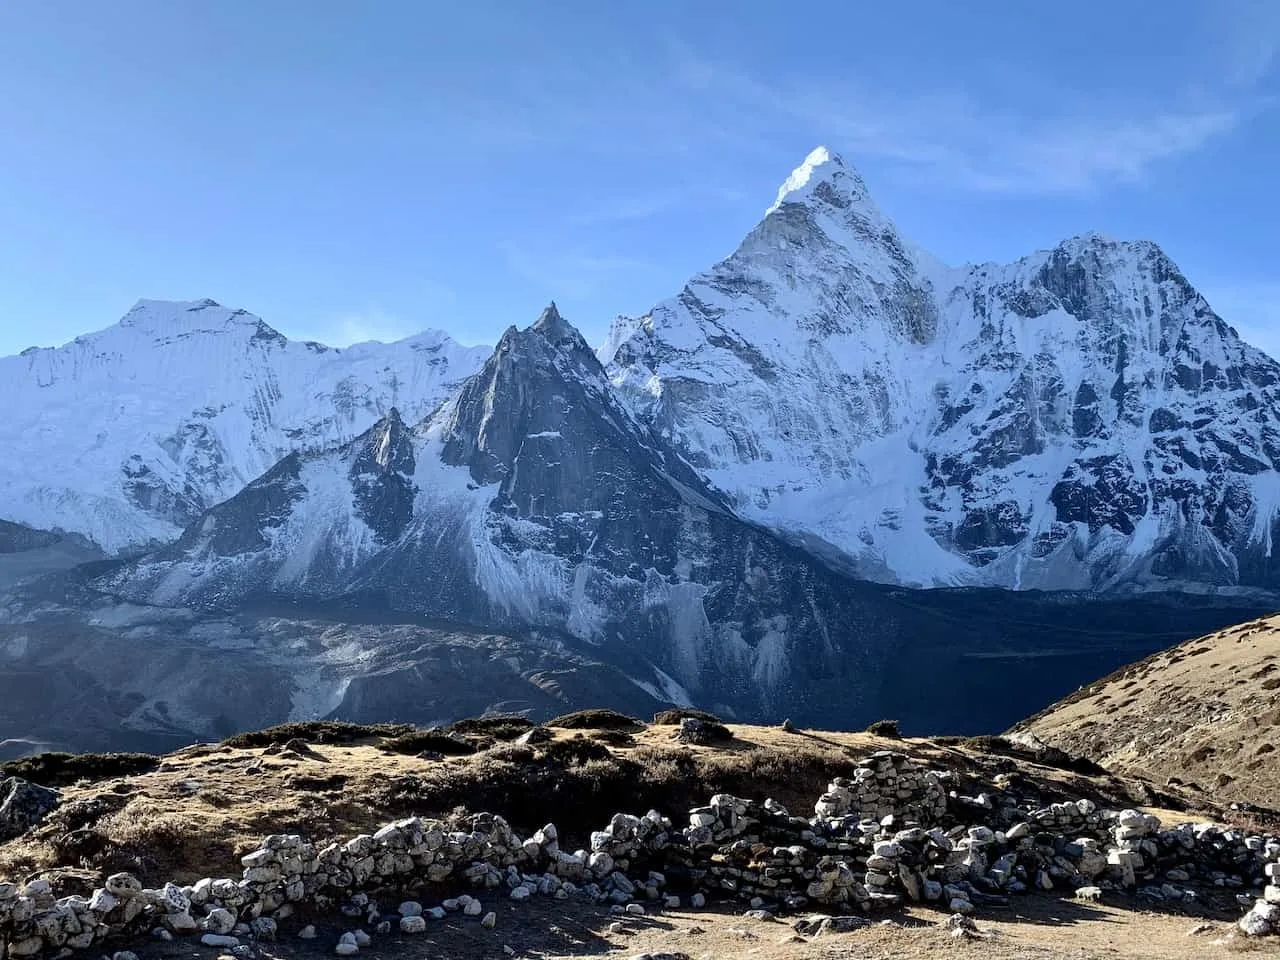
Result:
[[885, 728], [505, 726], [317, 731], [672, 718], [437, 741], [596, 720], [64, 769]]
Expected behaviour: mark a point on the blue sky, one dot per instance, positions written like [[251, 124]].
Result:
[[350, 170]]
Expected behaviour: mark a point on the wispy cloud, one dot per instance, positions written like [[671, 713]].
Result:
[[688, 110], [359, 327], [1250, 42], [569, 272], [952, 139]]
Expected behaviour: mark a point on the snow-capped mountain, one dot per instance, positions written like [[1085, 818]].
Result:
[[1080, 419], [127, 435], [533, 499]]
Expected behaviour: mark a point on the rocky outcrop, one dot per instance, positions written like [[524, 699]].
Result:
[[23, 805], [18, 538]]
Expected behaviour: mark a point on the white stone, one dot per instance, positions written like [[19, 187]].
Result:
[[414, 924], [183, 924], [1254, 925]]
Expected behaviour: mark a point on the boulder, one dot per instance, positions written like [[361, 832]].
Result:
[[23, 805]]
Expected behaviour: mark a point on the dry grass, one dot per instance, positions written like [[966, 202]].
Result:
[[1204, 714]]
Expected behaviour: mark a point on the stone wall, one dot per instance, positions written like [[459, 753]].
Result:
[[893, 832]]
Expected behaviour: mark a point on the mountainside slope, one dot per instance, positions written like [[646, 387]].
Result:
[[127, 435], [534, 501], [1205, 712], [1080, 419], [534, 504]]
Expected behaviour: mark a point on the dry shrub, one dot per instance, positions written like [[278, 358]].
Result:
[[506, 726], [317, 731], [435, 741], [885, 728], [215, 797], [159, 845], [672, 718], [596, 720], [64, 769]]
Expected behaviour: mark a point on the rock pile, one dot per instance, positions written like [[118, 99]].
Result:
[[893, 832]]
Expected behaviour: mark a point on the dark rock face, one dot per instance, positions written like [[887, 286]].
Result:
[[23, 805], [241, 525], [382, 477], [641, 554]]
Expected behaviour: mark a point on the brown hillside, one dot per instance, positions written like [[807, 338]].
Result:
[[197, 811], [1205, 713]]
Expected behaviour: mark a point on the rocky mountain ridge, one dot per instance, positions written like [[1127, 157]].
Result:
[[1080, 419], [696, 508]]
